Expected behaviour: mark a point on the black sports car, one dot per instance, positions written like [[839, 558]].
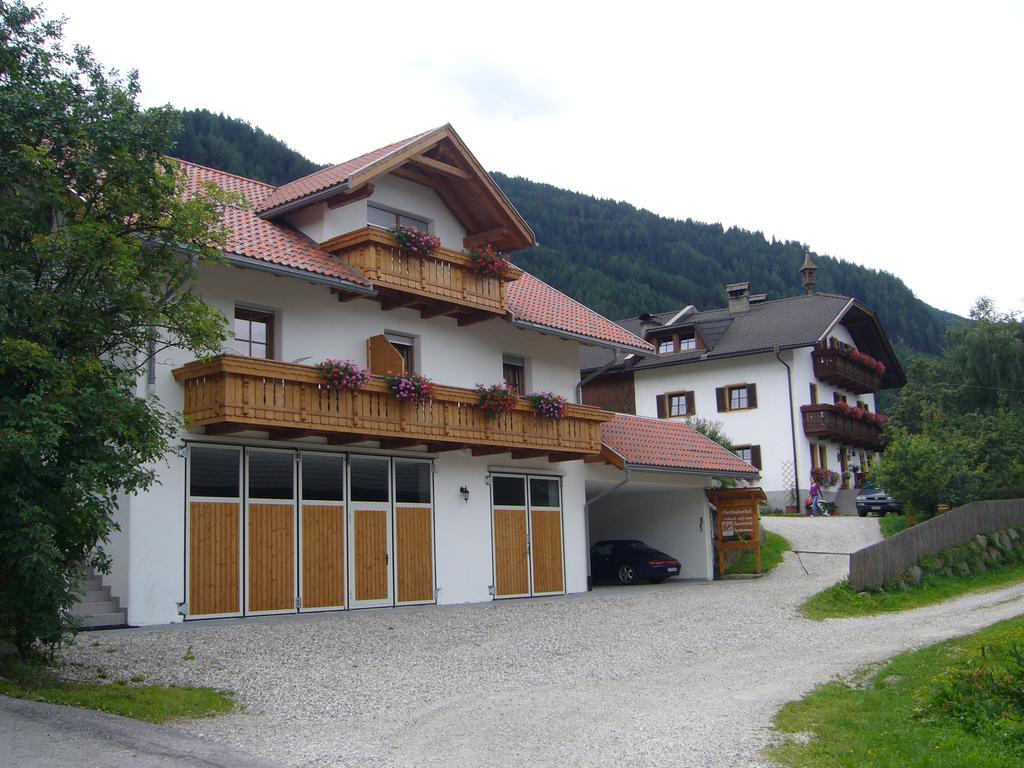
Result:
[[630, 560]]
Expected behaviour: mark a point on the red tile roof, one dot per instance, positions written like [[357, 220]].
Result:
[[249, 235], [670, 445], [329, 177], [534, 301]]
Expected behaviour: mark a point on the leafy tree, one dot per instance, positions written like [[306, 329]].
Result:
[[713, 430], [958, 425], [94, 222]]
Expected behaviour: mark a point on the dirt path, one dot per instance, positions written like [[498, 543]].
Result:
[[681, 673]]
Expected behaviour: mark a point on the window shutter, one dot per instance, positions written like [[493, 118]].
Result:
[[691, 406], [722, 402], [752, 395], [662, 406], [755, 455], [382, 357]]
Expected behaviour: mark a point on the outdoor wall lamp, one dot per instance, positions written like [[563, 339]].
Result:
[[465, 493]]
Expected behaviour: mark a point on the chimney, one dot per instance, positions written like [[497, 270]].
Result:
[[648, 322], [809, 272], [739, 298]]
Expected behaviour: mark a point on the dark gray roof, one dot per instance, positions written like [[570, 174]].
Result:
[[798, 321]]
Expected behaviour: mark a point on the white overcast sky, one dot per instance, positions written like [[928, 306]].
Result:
[[889, 134]]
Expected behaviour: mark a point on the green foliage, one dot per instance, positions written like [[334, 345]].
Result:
[[93, 225], [958, 425], [232, 145], [712, 430], [772, 547], [892, 524], [152, 703], [877, 719]]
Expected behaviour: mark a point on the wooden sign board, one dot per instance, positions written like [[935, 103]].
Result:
[[738, 522]]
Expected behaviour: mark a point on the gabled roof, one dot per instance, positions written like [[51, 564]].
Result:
[[639, 442], [251, 237], [535, 304], [789, 323], [437, 158], [253, 241]]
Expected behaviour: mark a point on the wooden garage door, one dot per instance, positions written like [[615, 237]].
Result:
[[270, 530], [322, 530], [214, 558], [546, 549], [511, 553], [370, 540], [271, 557], [546, 535], [415, 561], [214, 525]]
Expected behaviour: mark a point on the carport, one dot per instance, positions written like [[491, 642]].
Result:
[[649, 484]]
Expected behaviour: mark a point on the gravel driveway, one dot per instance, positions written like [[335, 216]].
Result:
[[681, 673]]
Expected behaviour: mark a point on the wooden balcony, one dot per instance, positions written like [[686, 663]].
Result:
[[833, 365], [442, 284], [231, 394], [829, 423]]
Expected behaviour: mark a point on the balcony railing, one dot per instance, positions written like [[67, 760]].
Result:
[[446, 276], [828, 422], [834, 365], [231, 393]]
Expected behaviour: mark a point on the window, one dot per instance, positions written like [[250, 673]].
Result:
[[509, 491], [687, 341], [736, 397], [514, 372], [271, 474], [543, 492], [254, 333], [213, 472], [676, 404], [406, 347], [368, 478], [814, 394], [822, 456], [382, 217], [665, 346], [412, 481], [750, 454], [323, 477]]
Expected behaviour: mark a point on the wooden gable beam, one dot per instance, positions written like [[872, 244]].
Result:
[[485, 237], [345, 198], [439, 166]]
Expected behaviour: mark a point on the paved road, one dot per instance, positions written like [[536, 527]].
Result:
[[36, 735], [687, 674]]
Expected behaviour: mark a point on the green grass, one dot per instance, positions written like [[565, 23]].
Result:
[[839, 600], [772, 547], [152, 703], [951, 705], [892, 524]]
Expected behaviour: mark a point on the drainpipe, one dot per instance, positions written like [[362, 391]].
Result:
[[792, 428], [579, 387], [151, 366], [586, 520]]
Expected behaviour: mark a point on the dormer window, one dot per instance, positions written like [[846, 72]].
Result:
[[665, 346], [687, 340], [386, 219], [677, 342]]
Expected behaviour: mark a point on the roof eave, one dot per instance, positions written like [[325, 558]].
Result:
[[582, 338], [688, 471], [248, 262], [302, 202]]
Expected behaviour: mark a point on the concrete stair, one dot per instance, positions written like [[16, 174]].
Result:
[[98, 608]]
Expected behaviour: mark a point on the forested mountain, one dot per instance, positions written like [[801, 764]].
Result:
[[616, 258], [232, 145]]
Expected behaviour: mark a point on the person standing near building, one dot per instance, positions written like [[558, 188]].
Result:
[[815, 498]]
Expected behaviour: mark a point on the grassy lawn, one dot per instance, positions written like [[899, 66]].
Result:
[[840, 600], [152, 703], [954, 704], [892, 524], [772, 547]]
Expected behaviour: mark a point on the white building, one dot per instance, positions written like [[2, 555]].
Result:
[[285, 495], [792, 381]]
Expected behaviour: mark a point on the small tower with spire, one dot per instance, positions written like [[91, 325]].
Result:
[[809, 272]]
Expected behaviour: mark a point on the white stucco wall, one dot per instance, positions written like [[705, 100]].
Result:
[[321, 223], [310, 323]]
